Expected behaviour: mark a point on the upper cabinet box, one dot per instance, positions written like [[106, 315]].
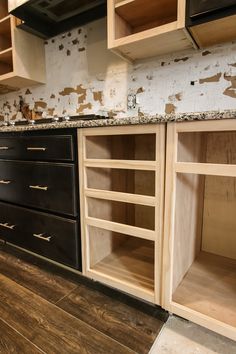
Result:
[[22, 58], [211, 22], [144, 28], [48, 18]]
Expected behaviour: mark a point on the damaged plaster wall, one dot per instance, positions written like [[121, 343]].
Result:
[[83, 77]]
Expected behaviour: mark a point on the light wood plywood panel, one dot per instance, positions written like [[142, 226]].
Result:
[[139, 29], [209, 287], [214, 32]]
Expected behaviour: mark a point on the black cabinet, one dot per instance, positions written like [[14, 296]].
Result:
[[48, 235], [41, 148], [39, 198], [201, 8]]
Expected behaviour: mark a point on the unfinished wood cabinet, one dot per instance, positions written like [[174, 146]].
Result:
[[199, 272], [22, 58], [144, 28], [121, 190], [211, 22]]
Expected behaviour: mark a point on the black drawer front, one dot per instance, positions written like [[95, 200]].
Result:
[[51, 187], [42, 148], [50, 236], [199, 8]]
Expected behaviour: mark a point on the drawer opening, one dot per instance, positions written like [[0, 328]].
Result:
[[200, 147], [122, 147], [141, 216], [204, 264], [123, 258], [135, 16], [120, 180]]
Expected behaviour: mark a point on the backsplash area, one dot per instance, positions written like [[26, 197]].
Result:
[[83, 77]]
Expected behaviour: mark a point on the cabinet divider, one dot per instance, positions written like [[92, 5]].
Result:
[[121, 164], [121, 197], [121, 228], [206, 169]]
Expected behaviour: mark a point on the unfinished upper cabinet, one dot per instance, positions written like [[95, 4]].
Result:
[[144, 28], [211, 22], [199, 277], [22, 61], [121, 181]]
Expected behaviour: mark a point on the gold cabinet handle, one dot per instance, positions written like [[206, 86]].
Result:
[[36, 148], [42, 188], [3, 181], [41, 237], [7, 226], [4, 148]]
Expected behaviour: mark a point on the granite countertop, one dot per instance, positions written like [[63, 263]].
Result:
[[144, 119]]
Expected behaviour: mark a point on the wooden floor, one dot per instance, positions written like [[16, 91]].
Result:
[[43, 311], [209, 287]]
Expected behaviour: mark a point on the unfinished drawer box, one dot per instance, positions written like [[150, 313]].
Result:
[[139, 29], [200, 225], [121, 186]]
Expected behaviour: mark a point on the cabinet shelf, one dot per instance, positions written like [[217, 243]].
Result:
[[209, 287]]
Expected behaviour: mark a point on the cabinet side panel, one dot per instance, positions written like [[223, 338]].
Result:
[[189, 206], [219, 222], [28, 56]]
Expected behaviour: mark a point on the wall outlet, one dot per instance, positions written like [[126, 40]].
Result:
[[131, 101]]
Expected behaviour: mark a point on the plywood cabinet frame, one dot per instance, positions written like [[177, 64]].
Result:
[[172, 168], [168, 37], [156, 201]]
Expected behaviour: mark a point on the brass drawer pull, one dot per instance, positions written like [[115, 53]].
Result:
[[4, 148], [39, 187], [36, 148], [7, 226], [2, 181], [41, 237]]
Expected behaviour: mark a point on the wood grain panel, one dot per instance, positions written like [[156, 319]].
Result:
[[210, 288]]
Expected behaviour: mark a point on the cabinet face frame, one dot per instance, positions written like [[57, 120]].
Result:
[[158, 202], [172, 168]]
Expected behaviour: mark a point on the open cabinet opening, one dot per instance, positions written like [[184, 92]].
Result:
[[137, 215], [204, 261], [120, 180], [134, 16], [121, 147], [5, 34], [3, 9], [123, 258]]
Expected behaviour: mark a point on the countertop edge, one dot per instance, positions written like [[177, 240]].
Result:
[[141, 120]]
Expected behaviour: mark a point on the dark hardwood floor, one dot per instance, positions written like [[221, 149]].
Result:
[[44, 309]]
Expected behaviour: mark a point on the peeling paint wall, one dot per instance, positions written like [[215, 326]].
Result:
[[83, 77]]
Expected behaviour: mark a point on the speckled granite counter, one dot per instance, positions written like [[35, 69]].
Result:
[[155, 119]]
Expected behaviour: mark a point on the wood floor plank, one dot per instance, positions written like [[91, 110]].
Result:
[[127, 325], [49, 327], [47, 284], [12, 342]]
